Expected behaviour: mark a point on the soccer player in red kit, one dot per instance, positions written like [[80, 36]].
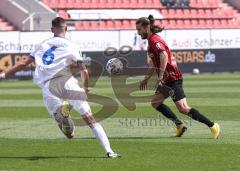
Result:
[[170, 78]]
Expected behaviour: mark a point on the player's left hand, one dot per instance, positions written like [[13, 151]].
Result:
[[151, 55], [86, 89], [159, 82], [143, 84]]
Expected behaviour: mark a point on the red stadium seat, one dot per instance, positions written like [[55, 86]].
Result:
[[194, 24], [231, 24], [140, 4], [237, 23], [156, 4], [9, 28], [94, 4], [213, 3], [118, 24], [180, 24], [164, 12], [193, 3], [126, 24], [133, 24], [86, 25], [70, 4], [6, 26], [172, 24], [165, 23], [194, 13], [186, 13], [202, 23], [209, 13], [209, 23], [216, 23], [78, 25], [109, 24], [94, 25], [228, 12], [85, 4], [201, 13], [62, 4], [132, 3], [117, 4], [157, 22], [225, 23], [64, 14], [171, 13], [102, 24], [80, 4], [179, 13], [126, 4], [187, 24], [200, 4]]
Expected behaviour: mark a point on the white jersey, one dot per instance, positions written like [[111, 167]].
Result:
[[52, 56]]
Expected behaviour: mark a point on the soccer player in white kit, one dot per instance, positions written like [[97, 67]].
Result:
[[53, 58]]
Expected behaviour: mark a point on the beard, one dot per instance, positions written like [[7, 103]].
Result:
[[144, 36]]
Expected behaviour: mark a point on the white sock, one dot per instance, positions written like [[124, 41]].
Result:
[[102, 137]]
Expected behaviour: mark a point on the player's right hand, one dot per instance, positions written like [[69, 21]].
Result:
[[2, 75], [151, 55], [143, 84]]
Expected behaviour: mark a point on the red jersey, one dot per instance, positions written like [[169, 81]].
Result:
[[156, 45]]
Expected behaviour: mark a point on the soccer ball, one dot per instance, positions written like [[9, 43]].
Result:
[[196, 71], [114, 66]]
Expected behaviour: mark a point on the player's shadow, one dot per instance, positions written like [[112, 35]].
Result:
[[153, 137], [48, 157]]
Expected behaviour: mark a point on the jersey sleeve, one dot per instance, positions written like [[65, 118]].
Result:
[[76, 53], [34, 51]]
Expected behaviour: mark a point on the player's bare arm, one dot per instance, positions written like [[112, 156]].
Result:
[[84, 77], [80, 67], [150, 71], [163, 65], [18, 67]]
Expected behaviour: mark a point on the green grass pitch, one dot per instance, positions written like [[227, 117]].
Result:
[[30, 139]]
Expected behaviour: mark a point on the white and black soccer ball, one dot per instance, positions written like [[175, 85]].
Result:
[[114, 66], [196, 71]]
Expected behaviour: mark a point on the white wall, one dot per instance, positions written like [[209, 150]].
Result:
[[22, 42]]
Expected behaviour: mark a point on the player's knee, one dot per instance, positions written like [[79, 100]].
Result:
[[184, 110], [89, 119], [155, 103]]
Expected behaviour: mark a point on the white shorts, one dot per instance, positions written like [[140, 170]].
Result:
[[53, 103]]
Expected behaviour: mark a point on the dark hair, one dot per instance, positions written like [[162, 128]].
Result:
[[150, 21], [58, 22]]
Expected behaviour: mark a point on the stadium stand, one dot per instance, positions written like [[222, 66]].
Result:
[[175, 3], [195, 14], [5, 25], [26, 15], [121, 14]]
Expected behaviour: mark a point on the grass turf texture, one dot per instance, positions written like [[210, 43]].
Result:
[[30, 140]]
